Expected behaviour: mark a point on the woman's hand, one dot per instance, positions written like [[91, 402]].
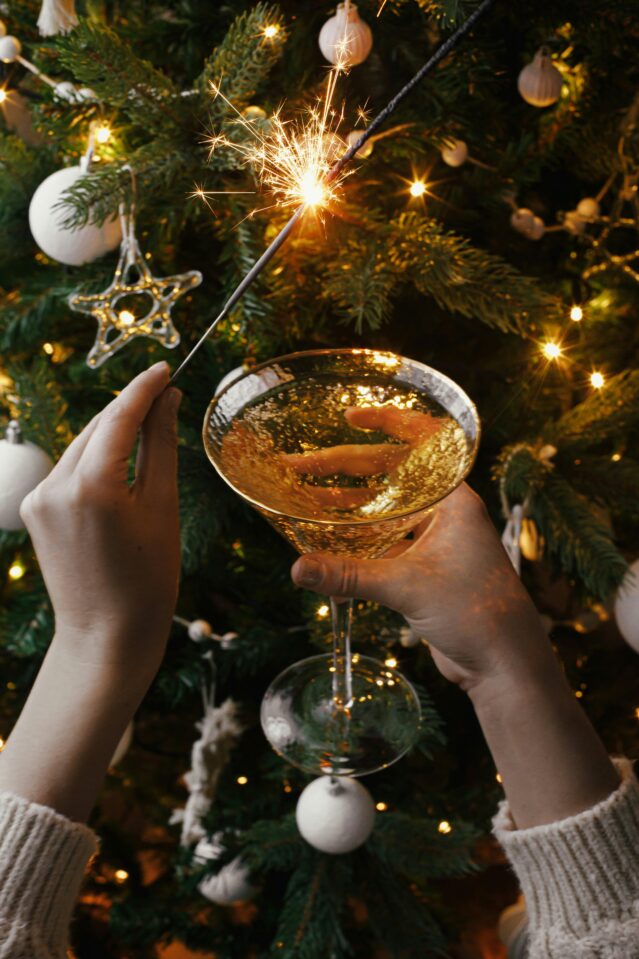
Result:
[[455, 586], [109, 551]]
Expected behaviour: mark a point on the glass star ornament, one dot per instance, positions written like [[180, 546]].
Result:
[[133, 278]]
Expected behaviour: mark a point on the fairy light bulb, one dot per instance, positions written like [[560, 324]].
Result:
[[271, 31], [3, 94], [597, 380], [552, 351], [242, 780], [126, 318], [391, 661], [444, 827], [576, 314], [103, 133], [381, 806], [121, 876], [16, 571], [417, 188], [322, 611], [48, 348]]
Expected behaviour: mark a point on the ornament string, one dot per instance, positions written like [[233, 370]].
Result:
[[442, 51]]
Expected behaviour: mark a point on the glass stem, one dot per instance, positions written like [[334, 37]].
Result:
[[342, 619]]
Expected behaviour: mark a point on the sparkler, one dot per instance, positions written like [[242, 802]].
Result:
[[295, 166]]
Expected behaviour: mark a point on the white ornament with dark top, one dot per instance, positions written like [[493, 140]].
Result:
[[10, 47], [232, 883], [335, 814], [23, 465], [133, 278], [627, 607], [346, 40], [73, 247], [540, 81], [454, 153], [589, 208]]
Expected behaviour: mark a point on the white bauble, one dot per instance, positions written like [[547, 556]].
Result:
[[199, 630], [627, 607], [512, 929], [123, 746], [72, 247], [345, 38], [23, 465], [454, 153], [10, 49], [85, 94], [540, 82], [229, 378], [253, 113], [537, 229], [67, 91], [351, 140], [522, 220], [574, 222], [335, 814], [588, 208], [231, 884]]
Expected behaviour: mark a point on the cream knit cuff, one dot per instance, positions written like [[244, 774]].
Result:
[[580, 876], [43, 858]]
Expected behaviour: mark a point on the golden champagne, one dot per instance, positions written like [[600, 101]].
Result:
[[342, 462]]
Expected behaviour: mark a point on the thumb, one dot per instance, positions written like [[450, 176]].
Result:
[[156, 466], [375, 579]]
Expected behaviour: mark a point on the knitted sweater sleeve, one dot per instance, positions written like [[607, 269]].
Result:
[[43, 858], [580, 877]]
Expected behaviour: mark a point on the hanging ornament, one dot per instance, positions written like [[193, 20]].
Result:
[[253, 113], [363, 152], [588, 208], [627, 607], [23, 465], [123, 746], [335, 814], [526, 223], [10, 47], [116, 327], [232, 883], [346, 40], [540, 81], [574, 222], [46, 219], [537, 230], [512, 929], [219, 731], [531, 542], [454, 153], [57, 16]]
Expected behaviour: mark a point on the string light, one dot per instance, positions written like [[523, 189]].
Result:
[[323, 611], [16, 570], [242, 780], [103, 133], [576, 314], [637, 713], [578, 693], [271, 31], [498, 778], [3, 94], [126, 318], [444, 827], [597, 380], [121, 876], [1, 744], [615, 457], [552, 351], [48, 348], [381, 806], [417, 188], [391, 661]]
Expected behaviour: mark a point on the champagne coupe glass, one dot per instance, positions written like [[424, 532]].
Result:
[[344, 451]]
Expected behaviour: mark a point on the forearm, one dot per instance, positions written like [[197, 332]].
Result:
[[59, 750], [552, 763]]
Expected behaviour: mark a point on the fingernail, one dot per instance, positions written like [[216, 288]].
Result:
[[173, 399], [156, 366], [308, 572]]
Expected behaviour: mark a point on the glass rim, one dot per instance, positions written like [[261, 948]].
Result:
[[335, 352]]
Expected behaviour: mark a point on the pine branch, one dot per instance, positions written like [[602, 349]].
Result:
[[602, 415], [41, 405], [360, 285]]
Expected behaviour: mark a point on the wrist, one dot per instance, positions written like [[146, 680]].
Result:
[[105, 658]]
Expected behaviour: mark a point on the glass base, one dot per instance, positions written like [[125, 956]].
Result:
[[310, 730]]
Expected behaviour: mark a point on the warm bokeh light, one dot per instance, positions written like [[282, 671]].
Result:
[[551, 351], [597, 380], [48, 348], [126, 318], [637, 713], [615, 457], [498, 778], [576, 314], [242, 780], [103, 133], [121, 875], [445, 827], [3, 94], [391, 661], [323, 611], [1, 744], [381, 806], [16, 570], [271, 31], [417, 188]]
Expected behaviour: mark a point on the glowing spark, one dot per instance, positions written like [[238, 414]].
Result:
[[552, 351], [3, 94], [576, 314], [597, 380], [292, 159], [271, 31], [417, 188]]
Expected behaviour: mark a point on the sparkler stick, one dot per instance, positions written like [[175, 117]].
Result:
[[439, 54]]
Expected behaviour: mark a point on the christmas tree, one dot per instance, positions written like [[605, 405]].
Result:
[[489, 229]]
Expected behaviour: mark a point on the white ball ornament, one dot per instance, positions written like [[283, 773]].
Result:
[[231, 884], [10, 49], [588, 208], [522, 220], [123, 746], [335, 814], [455, 153], [537, 229], [23, 465], [65, 90], [574, 222], [627, 607], [73, 247], [540, 81], [346, 39], [199, 630]]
